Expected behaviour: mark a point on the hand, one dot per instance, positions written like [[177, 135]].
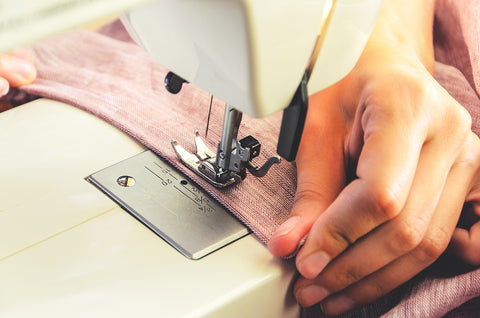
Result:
[[385, 164], [414, 156], [15, 70]]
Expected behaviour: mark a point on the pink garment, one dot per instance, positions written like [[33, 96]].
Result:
[[109, 76]]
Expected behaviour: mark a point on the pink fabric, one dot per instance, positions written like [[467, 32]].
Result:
[[107, 75], [117, 81]]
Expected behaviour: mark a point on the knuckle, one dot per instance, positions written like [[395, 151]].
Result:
[[340, 279], [433, 245], [339, 238], [459, 122], [470, 154], [308, 193], [409, 234], [374, 289], [384, 200], [462, 118], [349, 277]]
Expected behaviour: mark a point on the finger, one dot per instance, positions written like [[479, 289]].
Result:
[[320, 172], [385, 178], [465, 244], [434, 243], [396, 237], [365, 203], [16, 71]]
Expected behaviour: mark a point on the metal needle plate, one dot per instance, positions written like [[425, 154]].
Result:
[[169, 204]]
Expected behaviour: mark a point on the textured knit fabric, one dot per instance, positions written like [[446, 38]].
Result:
[[116, 80], [106, 74]]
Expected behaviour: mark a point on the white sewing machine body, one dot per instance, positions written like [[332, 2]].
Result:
[[252, 54], [259, 57], [68, 250]]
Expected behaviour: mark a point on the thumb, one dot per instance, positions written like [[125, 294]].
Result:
[[320, 174]]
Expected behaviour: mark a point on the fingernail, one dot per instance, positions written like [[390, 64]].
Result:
[[313, 264], [337, 305], [4, 87], [287, 226], [310, 295]]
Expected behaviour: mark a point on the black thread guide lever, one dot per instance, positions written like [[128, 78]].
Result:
[[293, 121], [174, 83]]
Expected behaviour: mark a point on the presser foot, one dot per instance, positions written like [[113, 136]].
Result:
[[204, 162]]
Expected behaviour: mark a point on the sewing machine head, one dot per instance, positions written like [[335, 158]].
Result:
[[259, 56]]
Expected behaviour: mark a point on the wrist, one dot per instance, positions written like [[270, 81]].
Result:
[[406, 27], [401, 42]]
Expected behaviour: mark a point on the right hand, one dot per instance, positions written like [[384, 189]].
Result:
[[16, 69], [386, 161]]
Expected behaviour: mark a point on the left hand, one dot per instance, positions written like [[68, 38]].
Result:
[[15, 70]]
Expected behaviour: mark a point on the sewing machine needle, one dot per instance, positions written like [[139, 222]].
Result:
[[208, 118]]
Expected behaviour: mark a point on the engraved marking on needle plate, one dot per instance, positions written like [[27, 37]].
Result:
[[198, 199]]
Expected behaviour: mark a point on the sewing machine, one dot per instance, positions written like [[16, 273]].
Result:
[[68, 249], [235, 49]]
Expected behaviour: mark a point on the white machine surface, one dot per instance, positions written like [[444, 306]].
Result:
[[69, 251], [252, 54], [23, 22]]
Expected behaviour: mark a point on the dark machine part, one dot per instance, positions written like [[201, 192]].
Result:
[[251, 143], [174, 83], [293, 121]]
